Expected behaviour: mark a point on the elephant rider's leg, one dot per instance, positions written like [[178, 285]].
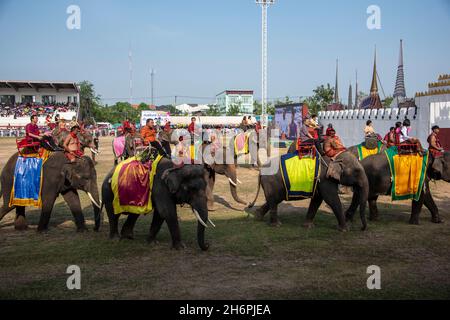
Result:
[[161, 151], [128, 227], [329, 191], [316, 201], [431, 205], [47, 207], [73, 201], [416, 208], [155, 227], [20, 223], [373, 209]]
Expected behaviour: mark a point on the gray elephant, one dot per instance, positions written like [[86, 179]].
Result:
[[380, 183], [59, 177], [171, 186], [345, 170]]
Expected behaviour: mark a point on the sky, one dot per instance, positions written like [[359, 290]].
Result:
[[199, 48]]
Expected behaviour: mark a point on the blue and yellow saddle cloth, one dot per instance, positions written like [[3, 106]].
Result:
[[27, 184], [300, 176], [363, 152], [408, 174]]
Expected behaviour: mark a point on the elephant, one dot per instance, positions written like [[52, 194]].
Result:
[[60, 176], [253, 146], [128, 151], [85, 136], [345, 170], [379, 175], [354, 150], [171, 186]]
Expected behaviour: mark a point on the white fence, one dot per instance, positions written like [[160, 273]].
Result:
[[430, 110]]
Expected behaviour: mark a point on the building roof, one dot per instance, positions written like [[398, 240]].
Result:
[[37, 85], [236, 92]]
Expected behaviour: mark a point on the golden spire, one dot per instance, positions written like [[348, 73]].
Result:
[[374, 86]]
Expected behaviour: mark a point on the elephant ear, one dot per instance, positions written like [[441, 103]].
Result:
[[335, 169], [438, 166], [172, 180]]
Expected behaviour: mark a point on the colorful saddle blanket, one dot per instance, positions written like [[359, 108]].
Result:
[[300, 175], [119, 146], [132, 184], [408, 174], [27, 184], [241, 143], [363, 152]]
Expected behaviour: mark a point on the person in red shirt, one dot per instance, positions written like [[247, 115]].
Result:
[[389, 138], [191, 127], [435, 145], [32, 130]]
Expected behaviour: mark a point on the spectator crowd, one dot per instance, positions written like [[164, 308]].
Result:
[[29, 109]]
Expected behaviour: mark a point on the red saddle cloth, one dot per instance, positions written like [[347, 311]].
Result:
[[27, 146]]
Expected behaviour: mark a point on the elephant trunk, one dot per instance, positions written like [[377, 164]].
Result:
[[202, 217], [363, 193], [232, 178], [97, 205]]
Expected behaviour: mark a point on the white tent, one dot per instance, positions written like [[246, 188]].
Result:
[[188, 109]]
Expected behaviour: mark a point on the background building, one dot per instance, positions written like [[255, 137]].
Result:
[[242, 98]]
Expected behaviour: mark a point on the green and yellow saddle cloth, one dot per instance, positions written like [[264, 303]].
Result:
[[408, 174], [363, 152], [132, 183], [241, 143], [27, 181], [300, 176]]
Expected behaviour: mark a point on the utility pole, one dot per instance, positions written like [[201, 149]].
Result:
[[130, 66], [152, 74], [264, 5]]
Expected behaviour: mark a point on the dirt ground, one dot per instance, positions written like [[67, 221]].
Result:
[[247, 259]]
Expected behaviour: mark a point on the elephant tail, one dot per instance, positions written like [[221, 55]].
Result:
[[252, 204]]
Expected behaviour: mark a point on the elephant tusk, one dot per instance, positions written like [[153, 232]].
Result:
[[233, 183], [197, 215], [93, 201], [238, 181], [213, 225], [93, 151]]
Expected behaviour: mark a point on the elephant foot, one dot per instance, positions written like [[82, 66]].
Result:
[[82, 229], [349, 217], [437, 220], [205, 247], [259, 216], [343, 228], [152, 240], [42, 230], [20, 223], [114, 235], [308, 225], [275, 224], [126, 236], [178, 246], [374, 217], [414, 222]]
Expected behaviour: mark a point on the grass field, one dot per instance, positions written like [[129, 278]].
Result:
[[247, 259]]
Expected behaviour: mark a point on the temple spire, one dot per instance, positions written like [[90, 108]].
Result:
[[400, 91], [350, 97], [374, 86], [356, 92], [336, 87]]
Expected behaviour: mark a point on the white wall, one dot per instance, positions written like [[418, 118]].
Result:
[[349, 124]]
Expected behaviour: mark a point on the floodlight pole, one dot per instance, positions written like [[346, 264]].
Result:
[[264, 5]]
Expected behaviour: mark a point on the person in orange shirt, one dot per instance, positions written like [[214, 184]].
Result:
[[333, 146], [148, 135]]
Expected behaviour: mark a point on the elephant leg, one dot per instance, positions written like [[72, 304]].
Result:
[[113, 220], [174, 229], [47, 207], [128, 226], [73, 201], [261, 212], [20, 223], [330, 195], [209, 191], [373, 209], [431, 205], [416, 208], [155, 226], [314, 206], [274, 221], [353, 206]]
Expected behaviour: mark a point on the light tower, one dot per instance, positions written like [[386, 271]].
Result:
[[264, 5], [130, 66], [152, 75]]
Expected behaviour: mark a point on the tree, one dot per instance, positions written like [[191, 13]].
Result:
[[257, 108], [387, 101], [214, 110], [322, 97], [89, 102], [234, 110]]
